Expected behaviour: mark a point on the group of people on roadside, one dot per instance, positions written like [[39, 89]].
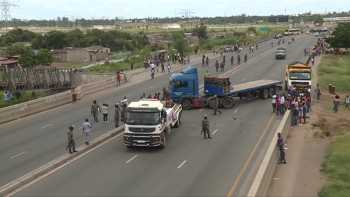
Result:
[[10, 96]]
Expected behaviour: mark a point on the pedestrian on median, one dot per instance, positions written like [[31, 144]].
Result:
[[116, 115], [169, 67], [71, 142], [95, 108], [86, 130], [105, 112], [205, 127]]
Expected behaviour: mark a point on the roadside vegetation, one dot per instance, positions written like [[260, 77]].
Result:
[[26, 96]]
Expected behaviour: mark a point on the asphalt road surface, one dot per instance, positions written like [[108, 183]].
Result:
[[189, 166]]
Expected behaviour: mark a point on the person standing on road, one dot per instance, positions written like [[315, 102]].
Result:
[[118, 79], [169, 67], [95, 108], [273, 98], [86, 130], [217, 66], [318, 91], [71, 142], [232, 59], [207, 74], [205, 127], [222, 66], [105, 112], [216, 105], [116, 115], [282, 104]]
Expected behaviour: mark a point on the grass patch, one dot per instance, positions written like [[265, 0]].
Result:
[[319, 134], [337, 168], [26, 96], [335, 70]]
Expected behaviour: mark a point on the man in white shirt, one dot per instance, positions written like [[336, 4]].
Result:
[[274, 103], [282, 104], [86, 131]]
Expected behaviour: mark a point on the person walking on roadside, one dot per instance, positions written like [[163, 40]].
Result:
[[318, 91], [300, 113], [5, 97], [169, 67], [74, 96], [216, 105], [71, 142], [232, 60], [308, 102], [105, 112], [304, 112], [116, 115], [33, 93], [205, 127], [86, 130], [217, 66], [207, 62], [336, 103], [273, 98], [281, 149], [118, 79], [95, 108], [347, 101]]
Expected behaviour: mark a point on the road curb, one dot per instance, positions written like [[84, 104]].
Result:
[[41, 171]]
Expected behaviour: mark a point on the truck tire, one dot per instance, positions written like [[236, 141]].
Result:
[[272, 91], [186, 104], [180, 118], [162, 146], [264, 94], [227, 103], [211, 103]]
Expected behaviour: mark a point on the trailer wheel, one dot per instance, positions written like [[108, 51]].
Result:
[[264, 94], [211, 103], [271, 92], [162, 146], [180, 118], [186, 104], [227, 103]]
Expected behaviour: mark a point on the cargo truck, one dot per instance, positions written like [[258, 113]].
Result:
[[184, 88], [149, 121], [298, 74]]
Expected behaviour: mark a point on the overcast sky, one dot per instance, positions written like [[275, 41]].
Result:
[[51, 9]]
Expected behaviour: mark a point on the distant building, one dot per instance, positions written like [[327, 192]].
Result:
[[103, 27], [9, 64], [26, 44], [71, 54], [170, 26]]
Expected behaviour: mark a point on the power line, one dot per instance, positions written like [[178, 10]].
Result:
[[5, 12], [186, 13]]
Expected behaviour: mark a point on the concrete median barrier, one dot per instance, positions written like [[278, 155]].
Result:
[[63, 98], [262, 181], [42, 104], [8, 114], [22, 110], [16, 184]]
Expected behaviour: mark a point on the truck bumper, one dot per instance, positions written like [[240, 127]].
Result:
[[136, 140]]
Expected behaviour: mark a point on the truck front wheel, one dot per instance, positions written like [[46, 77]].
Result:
[[186, 104]]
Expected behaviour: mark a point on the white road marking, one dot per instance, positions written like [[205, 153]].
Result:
[[243, 80], [80, 127], [182, 164], [46, 126], [259, 68], [131, 159], [235, 111], [278, 69], [251, 74], [18, 155], [201, 109], [214, 131], [151, 87]]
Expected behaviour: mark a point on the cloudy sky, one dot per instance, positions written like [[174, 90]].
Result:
[[51, 9]]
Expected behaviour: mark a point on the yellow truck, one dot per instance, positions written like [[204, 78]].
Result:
[[298, 74]]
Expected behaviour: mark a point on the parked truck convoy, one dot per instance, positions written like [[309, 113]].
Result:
[[149, 121], [281, 53], [298, 74], [184, 89]]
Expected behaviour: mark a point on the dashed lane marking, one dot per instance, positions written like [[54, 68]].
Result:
[[181, 164], [46, 126], [214, 131], [131, 159], [235, 111], [18, 155]]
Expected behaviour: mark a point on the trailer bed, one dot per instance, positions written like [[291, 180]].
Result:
[[246, 87]]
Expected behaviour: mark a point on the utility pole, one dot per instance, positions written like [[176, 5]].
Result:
[[5, 12], [186, 14]]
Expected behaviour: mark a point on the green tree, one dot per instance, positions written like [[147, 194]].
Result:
[[39, 42], [28, 59], [44, 57], [200, 31], [57, 39], [340, 36], [180, 43], [253, 29], [16, 50]]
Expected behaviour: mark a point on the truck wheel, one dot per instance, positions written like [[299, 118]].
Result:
[[186, 104], [264, 94], [227, 103], [271, 92], [180, 118], [211, 103], [162, 146]]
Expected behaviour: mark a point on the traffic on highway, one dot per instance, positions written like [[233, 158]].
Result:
[[121, 166]]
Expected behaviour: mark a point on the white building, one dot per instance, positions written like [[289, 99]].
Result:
[[104, 26], [170, 26]]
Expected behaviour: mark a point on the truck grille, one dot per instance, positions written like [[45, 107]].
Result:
[[146, 130]]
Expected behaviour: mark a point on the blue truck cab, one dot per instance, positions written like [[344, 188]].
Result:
[[184, 86]]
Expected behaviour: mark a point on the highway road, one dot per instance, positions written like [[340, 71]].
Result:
[[189, 166]]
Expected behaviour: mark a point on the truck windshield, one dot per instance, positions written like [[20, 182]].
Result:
[[143, 118], [300, 76]]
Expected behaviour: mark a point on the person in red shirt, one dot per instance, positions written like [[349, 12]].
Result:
[[278, 104], [118, 79], [155, 96], [308, 103]]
